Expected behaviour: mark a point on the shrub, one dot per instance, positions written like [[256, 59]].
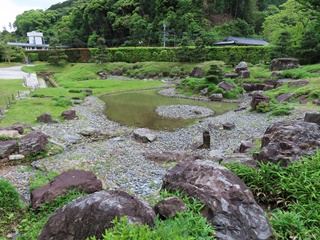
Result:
[[62, 102], [214, 75], [263, 107], [230, 94], [9, 196]]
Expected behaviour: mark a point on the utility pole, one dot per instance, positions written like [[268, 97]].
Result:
[[164, 35]]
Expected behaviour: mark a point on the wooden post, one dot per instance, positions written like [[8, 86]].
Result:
[[206, 139]]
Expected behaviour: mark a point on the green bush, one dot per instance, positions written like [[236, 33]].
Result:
[[292, 191], [9, 197], [62, 102], [230, 95], [264, 107]]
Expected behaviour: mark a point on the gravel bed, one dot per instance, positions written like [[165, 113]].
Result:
[[183, 111], [118, 160]]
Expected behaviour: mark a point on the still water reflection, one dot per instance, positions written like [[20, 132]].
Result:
[[138, 109]]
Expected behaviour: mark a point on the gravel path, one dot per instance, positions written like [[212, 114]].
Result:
[[118, 160]]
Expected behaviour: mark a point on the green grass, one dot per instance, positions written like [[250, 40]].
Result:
[[9, 88], [27, 110]]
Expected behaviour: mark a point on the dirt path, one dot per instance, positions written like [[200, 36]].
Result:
[[12, 73]]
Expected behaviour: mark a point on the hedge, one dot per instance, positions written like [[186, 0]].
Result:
[[230, 55]]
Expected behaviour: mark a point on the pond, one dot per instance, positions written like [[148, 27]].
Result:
[[137, 109]]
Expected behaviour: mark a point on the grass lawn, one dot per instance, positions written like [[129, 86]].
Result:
[[9, 88]]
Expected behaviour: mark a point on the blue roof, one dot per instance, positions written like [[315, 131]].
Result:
[[242, 41]]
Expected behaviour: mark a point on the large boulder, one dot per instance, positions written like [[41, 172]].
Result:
[[285, 142], [6, 148], [258, 98], [278, 64], [10, 134], [197, 72], [16, 128], [169, 207], [91, 215], [312, 117], [45, 118], [285, 97], [226, 86], [229, 204], [70, 180], [69, 114], [32, 143], [144, 135], [242, 66]]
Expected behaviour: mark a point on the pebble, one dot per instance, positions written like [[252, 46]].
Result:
[[118, 160]]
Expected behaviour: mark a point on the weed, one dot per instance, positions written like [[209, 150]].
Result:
[[9, 196]]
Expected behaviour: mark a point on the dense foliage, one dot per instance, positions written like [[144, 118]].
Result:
[[291, 193], [171, 23]]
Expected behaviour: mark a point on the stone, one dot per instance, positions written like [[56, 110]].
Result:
[[316, 101], [69, 114], [10, 133], [246, 146], [286, 142], [303, 99], [169, 207], [173, 156], [144, 135], [206, 139], [19, 129], [7, 148], [32, 143], [229, 204], [217, 97], [88, 91], [228, 126], [258, 98], [71, 138], [197, 72], [312, 117], [70, 180], [226, 86], [244, 74], [204, 91], [16, 157], [242, 158], [87, 132], [282, 81], [298, 83], [279, 64], [242, 66], [284, 97], [90, 215], [45, 118], [231, 75]]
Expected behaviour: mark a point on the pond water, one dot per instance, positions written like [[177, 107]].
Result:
[[137, 108]]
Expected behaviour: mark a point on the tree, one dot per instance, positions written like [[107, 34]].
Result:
[[57, 54], [309, 50], [214, 74], [101, 53], [292, 19], [283, 46]]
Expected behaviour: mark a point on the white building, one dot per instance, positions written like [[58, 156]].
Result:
[[36, 42]]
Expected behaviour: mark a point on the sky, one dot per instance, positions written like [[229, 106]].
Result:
[[11, 8]]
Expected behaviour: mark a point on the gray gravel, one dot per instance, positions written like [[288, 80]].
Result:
[[118, 160]]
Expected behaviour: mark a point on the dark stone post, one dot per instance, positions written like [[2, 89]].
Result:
[[206, 139]]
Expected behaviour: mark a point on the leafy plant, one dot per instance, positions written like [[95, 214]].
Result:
[[9, 196], [292, 191], [185, 225]]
